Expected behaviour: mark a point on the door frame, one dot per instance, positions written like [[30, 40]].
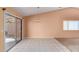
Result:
[[16, 30]]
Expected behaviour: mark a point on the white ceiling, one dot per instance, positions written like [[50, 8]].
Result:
[[28, 11]]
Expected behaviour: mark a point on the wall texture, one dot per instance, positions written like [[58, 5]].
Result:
[[1, 30], [49, 25], [13, 12]]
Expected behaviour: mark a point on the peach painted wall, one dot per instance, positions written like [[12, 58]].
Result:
[[13, 12], [1, 31], [49, 25]]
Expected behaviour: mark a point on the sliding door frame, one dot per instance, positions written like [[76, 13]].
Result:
[[16, 28], [20, 28]]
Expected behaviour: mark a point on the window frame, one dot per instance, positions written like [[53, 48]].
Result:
[[68, 29]]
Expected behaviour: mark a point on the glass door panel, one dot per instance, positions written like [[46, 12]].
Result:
[[10, 31], [19, 29]]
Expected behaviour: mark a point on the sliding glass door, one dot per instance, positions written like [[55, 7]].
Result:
[[19, 29], [12, 30]]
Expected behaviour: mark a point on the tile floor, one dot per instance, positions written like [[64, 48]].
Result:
[[71, 43], [39, 45]]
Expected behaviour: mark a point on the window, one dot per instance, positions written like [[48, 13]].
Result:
[[71, 25]]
